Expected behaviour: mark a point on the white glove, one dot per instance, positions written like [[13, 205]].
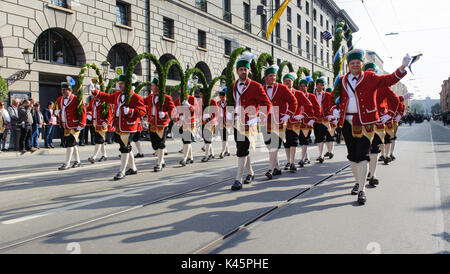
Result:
[[398, 118], [162, 115], [253, 121], [310, 123], [330, 117], [336, 114], [406, 60], [408, 96], [91, 86], [126, 110], [206, 116], [186, 103], [385, 118], [79, 128], [299, 117], [57, 112], [105, 124], [181, 118], [89, 117], [229, 116], [285, 118]]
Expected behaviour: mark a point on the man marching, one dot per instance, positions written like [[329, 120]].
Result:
[[284, 105], [67, 109], [333, 125], [303, 113], [248, 96], [387, 103], [209, 123], [321, 133], [158, 119], [126, 118], [101, 120], [358, 112], [222, 104], [307, 127]]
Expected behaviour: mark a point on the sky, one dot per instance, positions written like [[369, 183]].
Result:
[[422, 27]]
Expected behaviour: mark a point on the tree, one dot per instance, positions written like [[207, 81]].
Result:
[[436, 108], [417, 108], [3, 89]]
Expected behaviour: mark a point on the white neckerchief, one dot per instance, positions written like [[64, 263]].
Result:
[[269, 91], [240, 88], [155, 101], [121, 101], [65, 101], [352, 104], [94, 112]]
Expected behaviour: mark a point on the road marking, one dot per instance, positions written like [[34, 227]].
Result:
[[437, 199], [442, 126]]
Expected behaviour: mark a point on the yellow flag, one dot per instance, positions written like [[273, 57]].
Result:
[[276, 18]]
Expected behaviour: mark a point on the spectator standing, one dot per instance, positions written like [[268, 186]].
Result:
[[14, 139], [25, 122], [38, 121], [5, 121], [49, 125]]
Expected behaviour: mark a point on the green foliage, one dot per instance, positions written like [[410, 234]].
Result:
[[280, 70], [436, 108], [163, 78], [257, 67], [229, 74], [196, 71], [3, 89], [300, 72], [80, 80], [343, 31], [312, 85]]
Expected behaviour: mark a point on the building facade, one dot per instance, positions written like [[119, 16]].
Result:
[[66, 34], [445, 96]]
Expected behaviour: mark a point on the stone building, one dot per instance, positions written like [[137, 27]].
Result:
[[445, 96], [66, 34]]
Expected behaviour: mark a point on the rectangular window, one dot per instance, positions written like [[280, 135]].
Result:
[[168, 28], [299, 44], [299, 21], [201, 5], [315, 33], [122, 13], [289, 14], [289, 38], [299, 3], [321, 56], [315, 53], [227, 47], [59, 3], [278, 34], [263, 25], [226, 4], [315, 15], [247, 14], [202, 39], [308, 48], [307, 27], [307, 7], [277, 4], [328, 25], [321, 20]]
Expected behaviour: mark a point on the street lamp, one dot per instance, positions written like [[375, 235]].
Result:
[[20, 75], [105, 69]]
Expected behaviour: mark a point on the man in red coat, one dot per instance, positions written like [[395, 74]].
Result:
[[303, 113], [222, 104], [250, 104], [67, 109], [126, 119], [387, 103], [209, 123], [186, 116], [358, 112], [389, 150], [101, 120], [284, 105], [321, 132], [158, 120], [307, 127]]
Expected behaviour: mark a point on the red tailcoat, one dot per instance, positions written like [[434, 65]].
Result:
[[283, 102], [70, 111], [213, 110], [325, 106], [125, 123], [193, 106], [153, 117], [304, 107], [401, 107], [251, 99], [366, 87], [387, 101], [223, 111], [98, 118]]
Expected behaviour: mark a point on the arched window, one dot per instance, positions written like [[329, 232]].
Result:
[[205, 68], [173, 72], [120, 55], [56, 46]]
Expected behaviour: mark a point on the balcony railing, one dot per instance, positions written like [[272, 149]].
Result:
[[278, 41], [248, 26], [227, 16]]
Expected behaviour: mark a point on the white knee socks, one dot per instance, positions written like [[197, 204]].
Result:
[[96, 151], [132, 162], [288, 155], [304, 150], [320, 145], [69, 152], [103, 147], [330, 146], [76, 155], [292, 155], [248, 165], [139, 147], [373, 164], [392, 147], [124, 162], [362, 174], [240, 169]]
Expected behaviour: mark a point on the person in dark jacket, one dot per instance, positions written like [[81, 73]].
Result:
[[49, 125], [38, 121], [25, 123]]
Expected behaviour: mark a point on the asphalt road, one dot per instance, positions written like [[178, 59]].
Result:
[[191, 209]]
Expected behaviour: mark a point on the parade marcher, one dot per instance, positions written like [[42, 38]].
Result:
[[101, 119], [249, 96], [67, 109], [387, 103], [126, 119], [158, 119], [284, 105], [307, 127], [303, 113], [333, 126], [321, 132], [186, 116], [398, 116], [209, 123], [222, 104], [358, 112]]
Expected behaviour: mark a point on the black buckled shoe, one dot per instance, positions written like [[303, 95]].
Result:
[[139, 155], [103, 159], [293, 168], [355, 189], [91, 160], [64, 167], [276, 172], [288, 165], [392, 157], [236, 186], [387, 160], [131, 172], [76, 164], [362, 199], [205, 159], [183, 163], [373, 181], [301, 163], [119, 176], [190, 161], [227, 154], [368, 176], [330, 155], [221, 155], [269, 174], [249, 179], [157, 168], [211, 156], [381, 159], [320, 159], [326, 154]]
